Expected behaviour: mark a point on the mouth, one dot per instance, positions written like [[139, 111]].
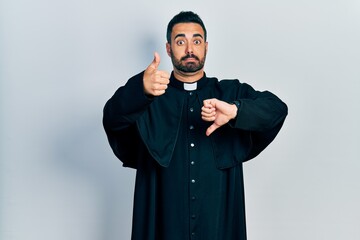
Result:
[[190, 58]]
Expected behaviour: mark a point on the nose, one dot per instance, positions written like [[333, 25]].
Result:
[[189, 48]]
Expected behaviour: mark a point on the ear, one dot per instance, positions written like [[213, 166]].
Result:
[[168, 49], [206, 46]]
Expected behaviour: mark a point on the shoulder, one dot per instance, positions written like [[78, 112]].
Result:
[[230, 88], [229, 84]]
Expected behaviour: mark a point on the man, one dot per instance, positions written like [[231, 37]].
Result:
[[187, 136]]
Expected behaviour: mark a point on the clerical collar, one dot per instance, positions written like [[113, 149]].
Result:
[[188, 86]]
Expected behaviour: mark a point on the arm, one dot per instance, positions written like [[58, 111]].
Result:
[[119, 115], [262, 114], [129, 101], [258, 119], [126, 106], [253, 111]]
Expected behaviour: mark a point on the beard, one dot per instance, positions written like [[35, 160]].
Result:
[[188, 67]]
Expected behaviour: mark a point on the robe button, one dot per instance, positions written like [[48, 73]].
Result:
[[193, 216], [193, 181], [191, 127], [190, 93], [193, 198], [191, 109], [192, 144], [192, 163]]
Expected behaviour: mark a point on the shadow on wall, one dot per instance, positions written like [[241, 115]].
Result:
[[150, 44], [83, 155]]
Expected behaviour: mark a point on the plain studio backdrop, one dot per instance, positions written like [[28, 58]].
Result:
[[62, 59]]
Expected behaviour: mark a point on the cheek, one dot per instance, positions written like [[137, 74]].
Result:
[[202, 52], [176, 52]]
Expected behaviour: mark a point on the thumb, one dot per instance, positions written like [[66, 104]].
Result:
[[156, 61], [211, 129]]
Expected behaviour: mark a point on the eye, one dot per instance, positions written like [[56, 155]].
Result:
[[197, 42], [180, 42]]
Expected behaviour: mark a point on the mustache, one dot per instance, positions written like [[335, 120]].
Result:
[[190, 56]]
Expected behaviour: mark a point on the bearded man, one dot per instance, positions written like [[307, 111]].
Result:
[[188, 135]]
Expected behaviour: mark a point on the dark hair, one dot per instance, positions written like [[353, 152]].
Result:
[[184, 17]]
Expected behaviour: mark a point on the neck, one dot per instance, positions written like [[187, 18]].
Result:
[[188, 77]]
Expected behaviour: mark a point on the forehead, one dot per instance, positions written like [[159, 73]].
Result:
[[189, 29]]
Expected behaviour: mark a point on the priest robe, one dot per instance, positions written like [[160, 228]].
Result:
[[189, 185]]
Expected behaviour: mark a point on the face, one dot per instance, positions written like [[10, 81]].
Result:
[[187, 48]]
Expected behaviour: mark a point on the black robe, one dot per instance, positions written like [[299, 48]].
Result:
[[188, 185]]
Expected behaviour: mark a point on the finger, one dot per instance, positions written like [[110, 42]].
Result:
[[208, 115], [158, 92], [160, 87], [207, 110], [208, 103], [161, 77], [208, 119], [164, 74], [161, 81]]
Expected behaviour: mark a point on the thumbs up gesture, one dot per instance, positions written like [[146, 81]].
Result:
[[155, 81]]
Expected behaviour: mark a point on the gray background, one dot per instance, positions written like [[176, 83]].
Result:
[[62, 59]]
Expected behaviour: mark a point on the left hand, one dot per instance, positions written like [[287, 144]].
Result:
[[218, 112]]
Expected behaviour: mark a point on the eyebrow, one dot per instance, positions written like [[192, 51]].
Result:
[[198, 35], [183, 35]]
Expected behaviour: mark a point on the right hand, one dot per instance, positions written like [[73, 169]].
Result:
[[155, 81]]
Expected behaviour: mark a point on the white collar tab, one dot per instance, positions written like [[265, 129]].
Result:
[[190, 86]]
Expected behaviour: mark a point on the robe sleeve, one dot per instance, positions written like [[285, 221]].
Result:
[[119, 120], [262, 115]]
